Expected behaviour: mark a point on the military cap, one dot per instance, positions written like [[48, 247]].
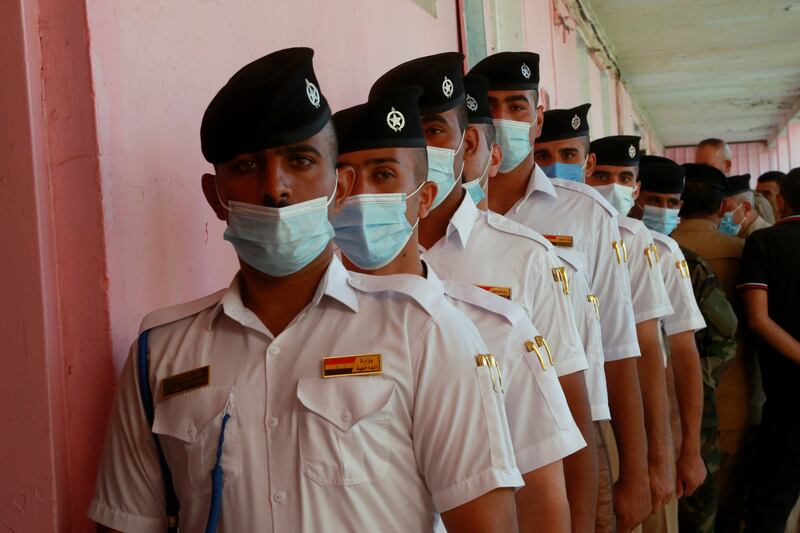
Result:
[[773, 175], [477, 89], [510, 70], [697, 172], [565, 124], [647, 159], [390, 120], [439, 75], [738, 184], [661, 175], [616, 150], [273, 101]]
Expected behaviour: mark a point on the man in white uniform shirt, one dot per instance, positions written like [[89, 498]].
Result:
[[573, 216], [302, 398], [463, 243], [376, 231]]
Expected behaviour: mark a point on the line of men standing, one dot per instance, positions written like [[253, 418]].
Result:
[[453, 311]]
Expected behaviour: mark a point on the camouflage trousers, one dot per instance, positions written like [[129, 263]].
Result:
[[697, 513]]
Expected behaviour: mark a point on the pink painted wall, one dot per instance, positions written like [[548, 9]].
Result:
[[156, 66], [57, 375], [754, 158]]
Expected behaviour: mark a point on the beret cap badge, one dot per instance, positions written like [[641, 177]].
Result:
[[576, 122], [395, 120], [472, 104], [313, 94], [447, 87], [632, 151], [526, 71]]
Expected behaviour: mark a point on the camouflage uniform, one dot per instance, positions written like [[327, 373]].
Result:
[[717, 347]]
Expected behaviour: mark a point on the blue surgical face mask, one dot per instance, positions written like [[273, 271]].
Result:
[[620, 196], [372, 229], [514, 138], [565, 171], [279, 241], [727, 225], [660, 219], [477, 187], [441, 171]]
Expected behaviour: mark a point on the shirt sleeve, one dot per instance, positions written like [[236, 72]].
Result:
[[611, 284], [686, 314], [460, 431], [129, 492], [648, 294], [754, 273], [586, 313], [541, 425], [553, 316]]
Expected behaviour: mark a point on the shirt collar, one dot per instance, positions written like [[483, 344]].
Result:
[[463, 220], [538, 182], [334, 284]]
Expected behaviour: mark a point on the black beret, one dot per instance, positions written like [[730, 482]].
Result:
[[439, 75], [510, 70], [738, 184], [273, 101], [772, 175], [616, 150], [477, 88], [696, 172], [650, 159], [565, 124], [661, 175], [387, 121]]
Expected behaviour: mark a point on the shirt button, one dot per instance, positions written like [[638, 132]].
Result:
[[272, 422], [278, 496], [274, 350], [346, 416], [191, 431], [355, 282]]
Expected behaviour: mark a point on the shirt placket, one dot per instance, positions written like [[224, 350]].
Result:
[[279, 424]]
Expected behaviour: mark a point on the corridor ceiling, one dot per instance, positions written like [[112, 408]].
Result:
[[708, 68]]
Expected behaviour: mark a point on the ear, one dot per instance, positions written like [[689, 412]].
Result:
[[427, 194], [637, 189], [539, 121], [727, 166], [496, 158], [345, 179], [781, 205], [471, 140], [591, 162], [209, 183]]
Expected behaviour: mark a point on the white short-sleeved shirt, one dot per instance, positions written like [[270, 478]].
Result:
[[675, 272], [542, 427], [302, 452], [574, 215], [493, 252], [587, 309], [648, 293]]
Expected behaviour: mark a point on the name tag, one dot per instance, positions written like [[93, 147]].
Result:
[[185, 381], [505, 292], [351, 365], [565, 241]]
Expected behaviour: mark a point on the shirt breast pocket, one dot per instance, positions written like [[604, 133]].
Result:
[[188, 427], [344, 429]]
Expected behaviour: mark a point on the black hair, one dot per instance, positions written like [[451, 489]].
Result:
[[462, 116], [700, 199], [420, 164], [331, 141], [790, 190], [489, 132], [773, 175]]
